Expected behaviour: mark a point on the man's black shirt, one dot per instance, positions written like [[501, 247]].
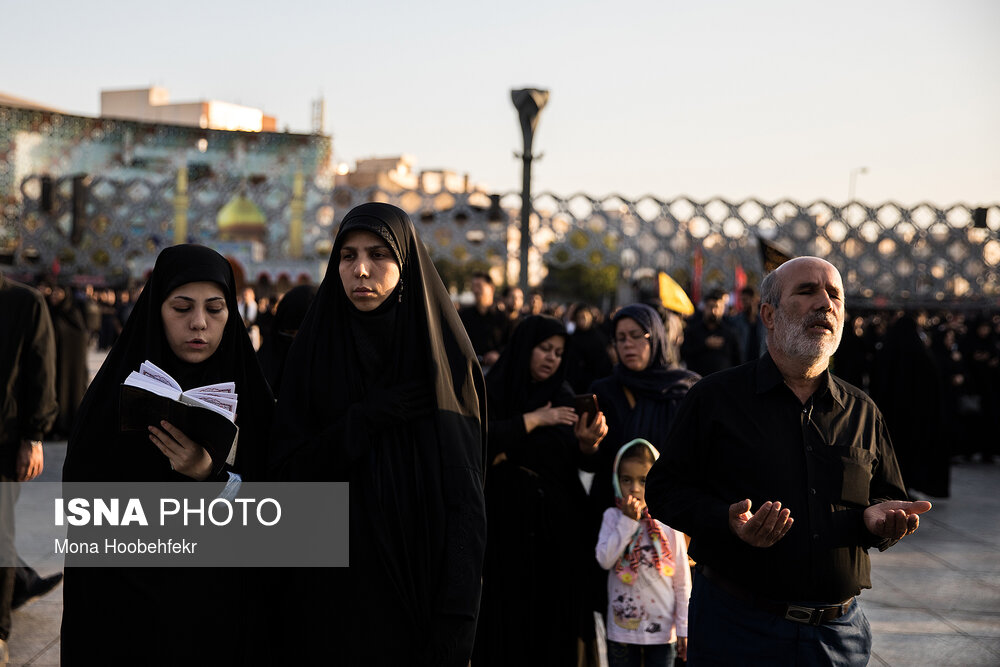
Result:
[[487, 331], [705, 360], [742, 433]]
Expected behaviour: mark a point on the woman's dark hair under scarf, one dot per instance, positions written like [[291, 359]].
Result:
[[417, 512]]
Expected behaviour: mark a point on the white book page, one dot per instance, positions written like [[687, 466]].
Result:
[[152, 386], [213, 403], [151, 370], [219, 397], [226, 401], [217, 388]]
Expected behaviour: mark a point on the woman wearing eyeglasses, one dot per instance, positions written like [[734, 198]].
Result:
[[639, 399], [641, 396]]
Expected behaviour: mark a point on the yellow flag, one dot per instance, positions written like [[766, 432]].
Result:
[[673, 296]]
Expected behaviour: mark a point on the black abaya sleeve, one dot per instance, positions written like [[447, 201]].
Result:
[[505, 435]]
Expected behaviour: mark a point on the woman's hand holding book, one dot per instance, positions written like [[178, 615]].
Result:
[[186, 456]]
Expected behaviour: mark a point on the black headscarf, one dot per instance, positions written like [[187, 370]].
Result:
[[417, 532], [548, 451], [143, 605], [97, 451], [657, 388], [657, 378], [638, 404], [511, 389], [277, 339]]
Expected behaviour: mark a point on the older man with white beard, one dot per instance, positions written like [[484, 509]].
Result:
[[784, 476]]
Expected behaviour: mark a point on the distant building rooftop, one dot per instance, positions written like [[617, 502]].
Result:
[[21, 103], [153, 105]]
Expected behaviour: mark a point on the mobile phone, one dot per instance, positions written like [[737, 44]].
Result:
[[586, 404]]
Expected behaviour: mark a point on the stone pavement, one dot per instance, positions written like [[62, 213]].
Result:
[[935, 601], [935, 597]]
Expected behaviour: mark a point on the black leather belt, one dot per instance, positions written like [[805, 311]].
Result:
[[792, 612]]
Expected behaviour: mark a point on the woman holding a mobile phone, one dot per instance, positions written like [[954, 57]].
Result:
[[535, 505]]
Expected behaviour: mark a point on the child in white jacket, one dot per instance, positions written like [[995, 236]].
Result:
[[649, 580]]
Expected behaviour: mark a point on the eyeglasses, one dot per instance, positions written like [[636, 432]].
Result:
[[635, 337]]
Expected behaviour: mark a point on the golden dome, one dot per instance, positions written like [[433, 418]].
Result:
[[241, 217]]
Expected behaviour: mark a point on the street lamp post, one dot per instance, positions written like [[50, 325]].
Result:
[[853, 182], [528, 102]]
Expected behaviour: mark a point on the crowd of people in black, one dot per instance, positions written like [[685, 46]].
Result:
[[417, 402], [934, 374], [932, 368]]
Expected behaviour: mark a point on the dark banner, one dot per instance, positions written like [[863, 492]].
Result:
[[254, 524]]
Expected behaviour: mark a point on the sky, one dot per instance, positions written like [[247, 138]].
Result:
[[771, 99]]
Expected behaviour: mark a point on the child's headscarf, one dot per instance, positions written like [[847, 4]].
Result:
[[628, 564]]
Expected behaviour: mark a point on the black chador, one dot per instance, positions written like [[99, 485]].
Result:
[[162, 616], [534, 609], [391, 400], [279, 335]]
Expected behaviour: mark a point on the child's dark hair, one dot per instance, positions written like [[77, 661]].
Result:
[[640, 451]]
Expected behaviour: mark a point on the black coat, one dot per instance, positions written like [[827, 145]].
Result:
[[27, 370], [72, 339]]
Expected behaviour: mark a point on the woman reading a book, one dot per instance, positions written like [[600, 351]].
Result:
[[185, 322], [388, 396]]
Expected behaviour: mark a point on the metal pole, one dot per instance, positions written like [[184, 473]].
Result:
[[853, 182], [528, 102], [525, 215]]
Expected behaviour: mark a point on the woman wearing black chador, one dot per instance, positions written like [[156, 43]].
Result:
[[535, 610], [186, 323], [278, 336], [387, 395]]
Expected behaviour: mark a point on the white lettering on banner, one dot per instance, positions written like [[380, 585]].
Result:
[[105, 512], [64, 546], [113, 546], [219, 512]]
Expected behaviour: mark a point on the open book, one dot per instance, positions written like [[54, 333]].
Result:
[[205, 414]]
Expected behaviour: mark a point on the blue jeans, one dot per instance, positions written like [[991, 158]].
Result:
[[723, 630], [635, 655]]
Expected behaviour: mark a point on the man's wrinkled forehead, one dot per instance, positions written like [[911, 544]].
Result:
[[803, 272]]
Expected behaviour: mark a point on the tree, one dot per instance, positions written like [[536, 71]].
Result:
[[590, 281]]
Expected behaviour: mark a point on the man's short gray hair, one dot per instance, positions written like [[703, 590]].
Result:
[[770, 289]]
